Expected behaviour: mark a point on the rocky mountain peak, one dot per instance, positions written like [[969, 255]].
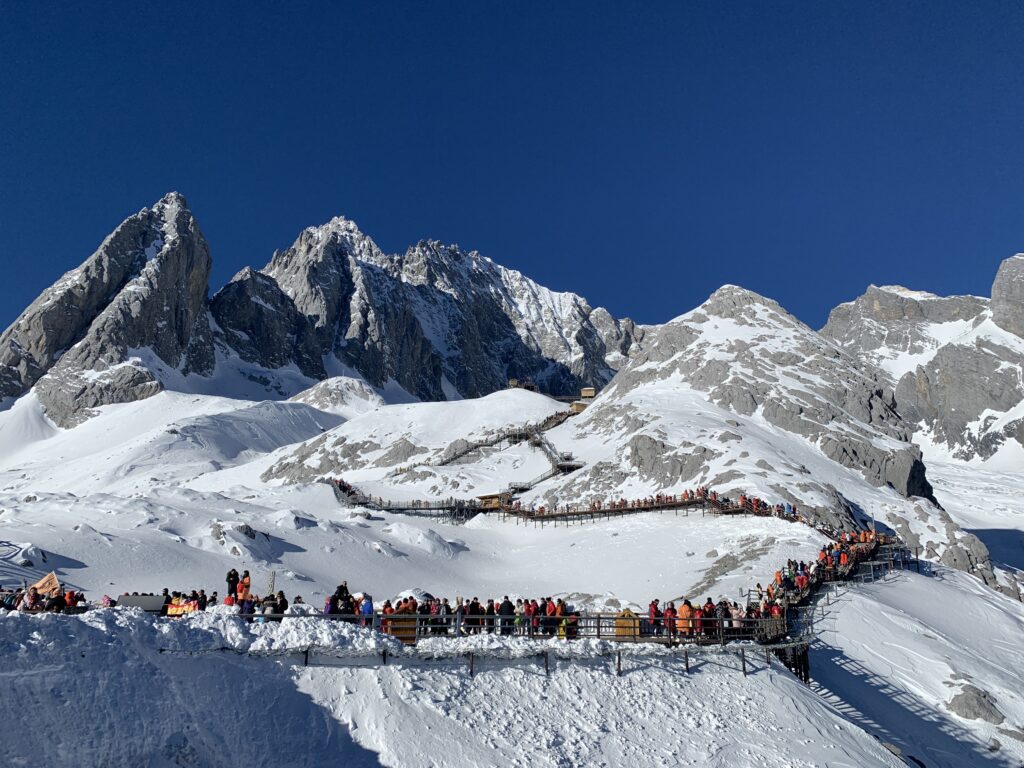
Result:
[[749, 356], [955, 362], [142, 294], [162, 239]]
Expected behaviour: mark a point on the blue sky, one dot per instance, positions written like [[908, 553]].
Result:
[[638, 154]]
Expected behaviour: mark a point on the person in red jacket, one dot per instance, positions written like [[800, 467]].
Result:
[[550, 621], [654, 616], [670, 620]]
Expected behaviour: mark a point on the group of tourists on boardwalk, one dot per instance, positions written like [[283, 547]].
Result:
[[37, 600], [761, 616], [701, 495]]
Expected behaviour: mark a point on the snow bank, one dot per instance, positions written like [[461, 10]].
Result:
[[96, 691], [308, 632]]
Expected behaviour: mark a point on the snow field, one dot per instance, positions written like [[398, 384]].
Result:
[[104, 669], [895, 654]]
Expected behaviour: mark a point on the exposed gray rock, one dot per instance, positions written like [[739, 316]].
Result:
[[972, 703], [438, 314], [144, 287], [749, 355], [126, 342], [438, 321], [1008, 295], [889, 325], [956, 362], [667, 466], [959, 386], [261, 323]]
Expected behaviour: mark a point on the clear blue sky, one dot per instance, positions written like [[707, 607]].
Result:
[[639, 155]]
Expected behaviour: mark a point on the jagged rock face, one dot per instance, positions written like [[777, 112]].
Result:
[[438, 322], [962, 395], [1008, 296], [957, 369], [133, 313], [261, 323], [896, 329], [439, 319], [750, 357], [61, 316]]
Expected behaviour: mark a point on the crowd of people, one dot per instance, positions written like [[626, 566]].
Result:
[[32, 600], [750, 504], [761, 616], [439, 616]]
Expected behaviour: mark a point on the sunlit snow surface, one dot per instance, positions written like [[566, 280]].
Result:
[[167, 492]]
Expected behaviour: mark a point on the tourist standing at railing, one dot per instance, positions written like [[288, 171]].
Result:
[[549, 617], [232, 580], [507, 612], [654, 617], [670, 620], [459, 616]]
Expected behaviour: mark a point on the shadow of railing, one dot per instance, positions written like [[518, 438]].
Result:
[[921, 731]]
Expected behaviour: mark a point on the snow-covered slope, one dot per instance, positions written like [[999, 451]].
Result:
[[741, 358], [930, 664], [409, 713], [165, 439], [410, 435]]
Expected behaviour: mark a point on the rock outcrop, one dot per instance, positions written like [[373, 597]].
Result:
[[435, 323], [1008, 296], [257, 320], [439, 320]]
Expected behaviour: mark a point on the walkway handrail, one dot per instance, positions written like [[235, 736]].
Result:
[[620, 627]]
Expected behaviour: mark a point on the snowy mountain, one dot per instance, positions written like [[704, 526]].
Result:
[[93, 337], [151, 437], [441, 322], [956, 364], [435, 323]]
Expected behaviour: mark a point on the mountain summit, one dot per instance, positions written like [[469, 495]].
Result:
[[434, 323]]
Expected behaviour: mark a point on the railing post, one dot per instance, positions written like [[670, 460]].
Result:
[[470, 664], [686, 660], [743, 661], [384, 655], [546, 667], [618, 663]]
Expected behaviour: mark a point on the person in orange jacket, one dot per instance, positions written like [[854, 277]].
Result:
[[685, 618]]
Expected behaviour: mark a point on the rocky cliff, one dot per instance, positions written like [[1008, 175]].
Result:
[[956, 364]]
